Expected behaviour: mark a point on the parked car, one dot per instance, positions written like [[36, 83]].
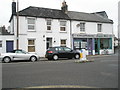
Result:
[[61, 52], [18, 55]]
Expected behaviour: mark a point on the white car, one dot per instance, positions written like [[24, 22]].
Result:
[[18, 55]]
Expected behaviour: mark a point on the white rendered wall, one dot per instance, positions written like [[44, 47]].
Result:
[[5, 38], [40, 31], [91, 28]]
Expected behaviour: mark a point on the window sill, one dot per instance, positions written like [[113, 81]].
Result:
[[82, 32], [99, 32], [48, 31], [31, 31], [63, 31]]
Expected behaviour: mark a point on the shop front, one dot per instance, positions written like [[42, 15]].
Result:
[[93, 43]]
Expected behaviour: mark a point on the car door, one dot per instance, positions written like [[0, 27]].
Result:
[[61, 52], [68, 52], [20, 55]]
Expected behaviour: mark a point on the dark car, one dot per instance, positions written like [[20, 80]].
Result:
[[61, 52]]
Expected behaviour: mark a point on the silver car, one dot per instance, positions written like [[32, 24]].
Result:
[[18, 55]]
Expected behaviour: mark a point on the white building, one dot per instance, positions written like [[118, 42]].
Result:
[[40, 28]]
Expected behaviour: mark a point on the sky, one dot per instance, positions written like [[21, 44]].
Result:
[[88, 6]]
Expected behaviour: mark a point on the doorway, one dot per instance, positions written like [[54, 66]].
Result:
[[48, 42], [97, 46], [9, 46]]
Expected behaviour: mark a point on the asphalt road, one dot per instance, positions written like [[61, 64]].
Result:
[[102, 73]]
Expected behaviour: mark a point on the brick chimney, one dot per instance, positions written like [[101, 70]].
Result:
[[64, 7], [13, 7]]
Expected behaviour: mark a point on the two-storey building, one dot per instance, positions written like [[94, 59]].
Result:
[[40, 28]]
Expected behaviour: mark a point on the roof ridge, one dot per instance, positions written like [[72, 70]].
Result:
[[44, 8], [79, 12]]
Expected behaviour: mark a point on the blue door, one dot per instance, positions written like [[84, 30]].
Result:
[[9, 46]]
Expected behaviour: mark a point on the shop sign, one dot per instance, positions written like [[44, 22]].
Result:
[[92, 35]]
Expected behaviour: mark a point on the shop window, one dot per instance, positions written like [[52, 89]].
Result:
[[63, 42], [106, 43], [99, 27], [82, 27], [62, 25], [31, 23], [31, 45], [0, 44], [49, 24]]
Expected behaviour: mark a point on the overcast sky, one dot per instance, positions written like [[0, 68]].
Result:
[[89, 6]]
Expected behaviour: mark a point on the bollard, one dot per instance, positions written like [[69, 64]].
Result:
[[83, 55]]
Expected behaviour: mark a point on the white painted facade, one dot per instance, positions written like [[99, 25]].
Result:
[[91, 29], [3, 39], [41, 33]]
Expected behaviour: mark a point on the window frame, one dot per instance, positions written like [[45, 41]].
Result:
[[0, 43], [82, 26], [64, 45], [48, 24], [32, 24], [99, 27], [30, 45], [63, 26]]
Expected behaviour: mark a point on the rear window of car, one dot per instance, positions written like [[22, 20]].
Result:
[[50, 49]]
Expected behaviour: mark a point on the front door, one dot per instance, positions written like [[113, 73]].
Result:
[[96, 46], [90, 46], [9, 46], [48, 42]]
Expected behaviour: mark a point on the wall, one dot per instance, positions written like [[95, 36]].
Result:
[[5, 38], [91, 28], [40, 31]]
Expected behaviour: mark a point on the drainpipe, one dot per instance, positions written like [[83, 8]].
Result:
[[71, 43], [17, 42]]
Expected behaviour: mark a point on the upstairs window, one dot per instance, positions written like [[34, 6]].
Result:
[[99, 27], [62, 25], [0, 44], [82, 27], [31, 23], [49, 23]]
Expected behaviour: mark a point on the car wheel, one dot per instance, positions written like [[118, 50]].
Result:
[[33, 58], [6, 59], [55, 57], [77, 56]]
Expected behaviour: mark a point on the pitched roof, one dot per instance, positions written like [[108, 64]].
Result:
[[59, 14], [43, 12], [88, 17]]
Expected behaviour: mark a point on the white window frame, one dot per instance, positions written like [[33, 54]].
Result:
[[99, 29], [48, 24], [31, 45], [0, 43], [82, 29], [31, 24], [63, 26], [63, 44]]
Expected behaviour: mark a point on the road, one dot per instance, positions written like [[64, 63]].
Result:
[[102, 73]]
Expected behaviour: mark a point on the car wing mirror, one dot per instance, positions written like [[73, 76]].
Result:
[[71, 50]]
